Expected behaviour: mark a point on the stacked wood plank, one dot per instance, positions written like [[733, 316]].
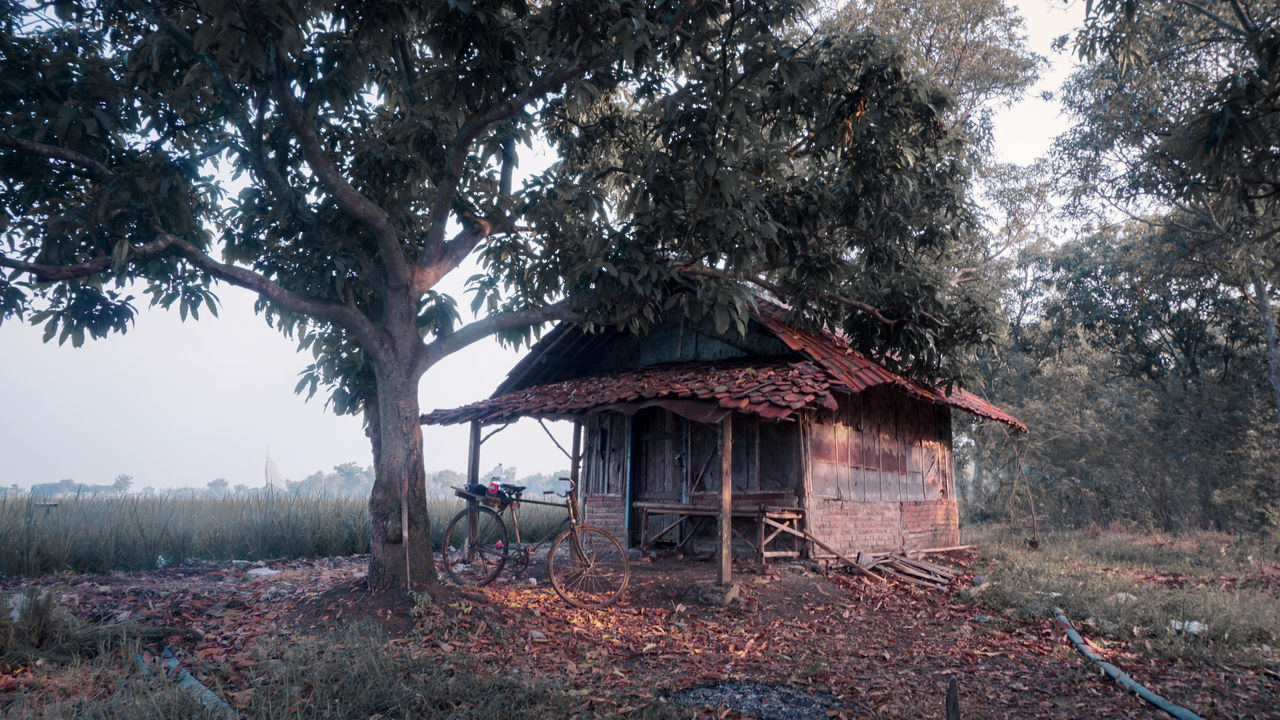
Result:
[[892, 566], [904, 569]]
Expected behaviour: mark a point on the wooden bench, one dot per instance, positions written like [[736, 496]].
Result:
[[774, 515]]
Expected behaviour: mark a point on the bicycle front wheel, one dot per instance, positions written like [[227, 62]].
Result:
[[588, 567], [473, 554]]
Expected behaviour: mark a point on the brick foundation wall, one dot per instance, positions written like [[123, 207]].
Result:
[[607, 512], [851, 526], [934, 523]]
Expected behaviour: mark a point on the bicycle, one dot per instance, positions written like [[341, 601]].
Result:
[[587, 565]]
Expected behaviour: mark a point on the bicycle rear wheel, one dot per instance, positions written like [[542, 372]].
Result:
[[588, 567], [478, 560]]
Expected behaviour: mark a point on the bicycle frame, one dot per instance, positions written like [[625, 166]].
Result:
[[570, 504], [515, 524], [586, 565]]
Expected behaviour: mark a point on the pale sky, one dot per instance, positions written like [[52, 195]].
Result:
[[179, 404]]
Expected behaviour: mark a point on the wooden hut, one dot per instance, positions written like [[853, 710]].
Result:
[[817, 439]]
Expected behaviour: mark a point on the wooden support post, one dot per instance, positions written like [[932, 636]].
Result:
[[725, 571], [761, 540], [473, 455], [575, 460]]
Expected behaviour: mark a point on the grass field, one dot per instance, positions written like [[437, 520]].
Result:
[[91, 534], [1203, 596]]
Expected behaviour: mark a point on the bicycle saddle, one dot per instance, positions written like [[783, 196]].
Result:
[[512, 489]]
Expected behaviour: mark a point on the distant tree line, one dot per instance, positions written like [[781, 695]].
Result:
[[68, 487], [346, 480], [351, 480]]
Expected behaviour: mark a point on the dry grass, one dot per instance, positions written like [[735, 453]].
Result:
[[35, 629], [355, 674], [145, 533], [1139, 587], [94, 535]]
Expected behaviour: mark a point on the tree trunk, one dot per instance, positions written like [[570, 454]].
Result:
[[395, 432], [1263, 292]]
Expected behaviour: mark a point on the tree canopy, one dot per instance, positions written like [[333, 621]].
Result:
[[1177, 127]]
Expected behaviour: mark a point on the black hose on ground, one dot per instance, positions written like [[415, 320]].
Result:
[[1120, 676]]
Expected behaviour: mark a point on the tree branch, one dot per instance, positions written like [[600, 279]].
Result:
[[54, 273], [347, 196], [346, 316], [448, 257], [337, 313], [409, 79], [1237, 32], [459, 147], [447, 188], [508, 168], [441, 254], [963, 275], [53, 152], [431, 353], [1242, 14]]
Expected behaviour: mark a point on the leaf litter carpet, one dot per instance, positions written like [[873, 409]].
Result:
[[829, 645]]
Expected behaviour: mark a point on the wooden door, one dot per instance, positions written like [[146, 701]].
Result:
[[659, 464]]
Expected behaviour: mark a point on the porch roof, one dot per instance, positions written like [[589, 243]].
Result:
[[771, 388]]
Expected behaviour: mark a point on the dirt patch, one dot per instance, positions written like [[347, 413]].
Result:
[[393, 610], [353, 601]]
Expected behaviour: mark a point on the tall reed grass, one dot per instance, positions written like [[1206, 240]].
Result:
[[100, 534], [140, 533]]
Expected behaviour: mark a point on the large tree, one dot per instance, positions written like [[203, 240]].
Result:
[[1178, 127], [977, 49], [340, 159]]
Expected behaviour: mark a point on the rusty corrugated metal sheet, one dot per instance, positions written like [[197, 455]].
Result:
[[773, 389], [855, 372]]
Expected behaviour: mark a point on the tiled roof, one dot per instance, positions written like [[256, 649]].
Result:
[[771, 388], [852, 370]]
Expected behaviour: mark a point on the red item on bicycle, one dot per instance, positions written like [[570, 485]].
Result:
[[493, 487]]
